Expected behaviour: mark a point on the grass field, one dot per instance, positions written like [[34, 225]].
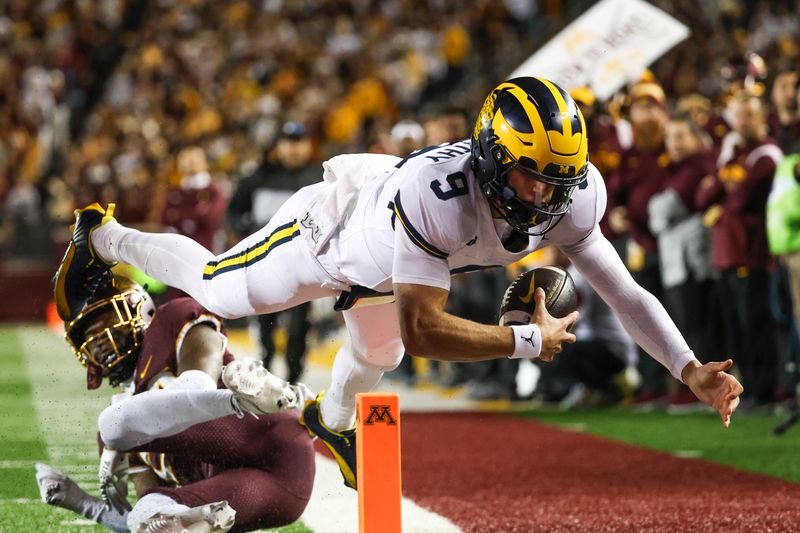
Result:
[[748, 444], [49, 416]]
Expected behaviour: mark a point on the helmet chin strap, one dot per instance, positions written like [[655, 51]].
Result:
[[538, 218]]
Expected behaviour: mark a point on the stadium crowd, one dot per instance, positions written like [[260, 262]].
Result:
[[166, 106]]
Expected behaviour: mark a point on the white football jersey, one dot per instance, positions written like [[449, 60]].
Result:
[[427, 219]]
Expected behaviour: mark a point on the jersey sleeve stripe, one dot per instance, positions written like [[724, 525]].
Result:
[[253, 254], [415, 236]]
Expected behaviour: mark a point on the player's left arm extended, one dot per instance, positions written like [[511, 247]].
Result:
[[190, 399], [646, 320]]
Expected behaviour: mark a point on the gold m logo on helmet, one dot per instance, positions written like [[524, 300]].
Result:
[[380, 413], [563, 169], [486, 114]]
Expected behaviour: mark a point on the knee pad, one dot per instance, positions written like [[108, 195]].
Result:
[[386, 355]]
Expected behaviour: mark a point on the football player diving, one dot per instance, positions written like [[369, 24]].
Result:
[[196, 462], [388, 232]]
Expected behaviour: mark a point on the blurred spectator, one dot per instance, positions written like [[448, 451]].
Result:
[[684, 243], [451, 125], [735, 203], [406, 136], [783, 224], [643, 172], [784, 120], [701, 110], [604, 148], [256, 199], [196, 206], [23, 234]]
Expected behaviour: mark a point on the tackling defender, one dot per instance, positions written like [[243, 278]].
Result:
[[198, 464], [398, 229]]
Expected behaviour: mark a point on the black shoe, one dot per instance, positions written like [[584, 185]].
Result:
[[81, 270], [341, 444]]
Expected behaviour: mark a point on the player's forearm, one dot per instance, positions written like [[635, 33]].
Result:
[[450, 338], [642, 315], [161, 413]]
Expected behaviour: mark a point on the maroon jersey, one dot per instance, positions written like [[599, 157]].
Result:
[[195, 213], [158, 358], [605, 151], [739, 238], [685, 177], [717, 129], [641, 174], [158, 365], [263, 467]]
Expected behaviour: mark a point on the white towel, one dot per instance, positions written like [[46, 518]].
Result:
[[331, 207]]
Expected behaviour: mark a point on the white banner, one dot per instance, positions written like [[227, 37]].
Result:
[[606, 47]]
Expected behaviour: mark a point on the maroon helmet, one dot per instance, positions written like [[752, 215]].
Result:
[[107, 334]]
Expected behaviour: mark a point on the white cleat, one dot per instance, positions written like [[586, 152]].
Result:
[[256, 390], [210, 518]]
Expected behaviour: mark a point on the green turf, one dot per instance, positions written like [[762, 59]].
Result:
[[22, 444], [748, 444], [48, 416]]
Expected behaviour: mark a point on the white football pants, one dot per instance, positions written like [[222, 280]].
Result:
[[271, 270]]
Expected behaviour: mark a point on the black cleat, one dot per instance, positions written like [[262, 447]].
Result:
[[81, 270], [341, 444]]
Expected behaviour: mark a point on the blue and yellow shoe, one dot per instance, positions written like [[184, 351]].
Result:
[[341, 444], [81, 270]]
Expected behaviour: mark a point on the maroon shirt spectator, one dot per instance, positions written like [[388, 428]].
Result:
[[740, 189], [643, 167], [642, 173], [604, 147], [686, 176], [736, 200], [197, 208]]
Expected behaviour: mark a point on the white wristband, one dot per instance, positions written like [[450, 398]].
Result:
[[527, 342]]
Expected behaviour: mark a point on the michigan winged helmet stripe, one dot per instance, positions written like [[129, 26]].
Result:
[[257, 252], [547, 97], [412, 232]]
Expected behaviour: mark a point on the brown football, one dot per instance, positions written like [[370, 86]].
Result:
[[518, 304]]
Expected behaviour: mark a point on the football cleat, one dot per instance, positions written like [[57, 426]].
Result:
[[210, 518], [342, 444], [81, 269], [257, 391]]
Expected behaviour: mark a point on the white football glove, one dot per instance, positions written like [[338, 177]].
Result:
[[113, 474]]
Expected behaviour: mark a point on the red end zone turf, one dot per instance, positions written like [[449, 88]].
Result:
[[494, 472]]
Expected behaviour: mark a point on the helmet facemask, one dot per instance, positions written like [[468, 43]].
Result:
[[107, 335], [522, 215], [511, 107]]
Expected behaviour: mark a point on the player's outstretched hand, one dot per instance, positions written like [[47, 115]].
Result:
[[714, 387], [555, 331]]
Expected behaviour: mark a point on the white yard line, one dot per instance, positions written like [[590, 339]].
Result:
[[66, 412], [334, 508]]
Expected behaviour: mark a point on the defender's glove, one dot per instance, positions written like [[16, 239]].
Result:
[[113, 474]]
